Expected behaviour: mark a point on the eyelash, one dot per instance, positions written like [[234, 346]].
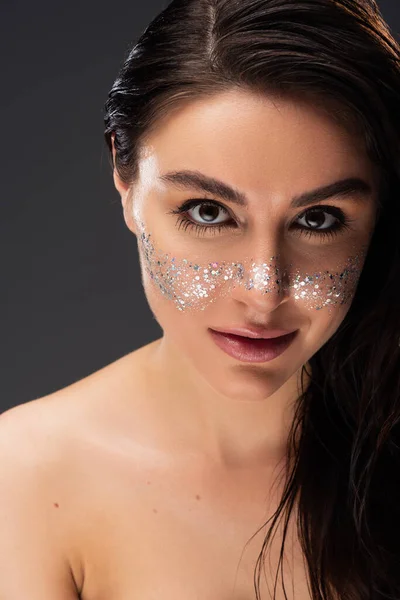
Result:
[[342, 224]]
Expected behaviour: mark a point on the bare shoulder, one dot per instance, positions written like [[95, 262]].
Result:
[[39, 558], [47, 450], [52, 428], [54, 452], [50, 421]]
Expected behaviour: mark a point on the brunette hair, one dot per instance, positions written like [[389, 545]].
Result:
[[344, 441]]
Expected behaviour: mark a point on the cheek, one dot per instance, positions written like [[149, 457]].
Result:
[[324, 325], [191, 286]]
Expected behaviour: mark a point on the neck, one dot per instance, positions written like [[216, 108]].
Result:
[[244, 430]]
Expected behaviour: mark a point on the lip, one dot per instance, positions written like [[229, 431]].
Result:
[[258, 333], [255, 350]]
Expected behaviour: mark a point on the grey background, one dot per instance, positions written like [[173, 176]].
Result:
[[71, 295]]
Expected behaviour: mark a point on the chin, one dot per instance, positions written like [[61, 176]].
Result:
[[244, 382]]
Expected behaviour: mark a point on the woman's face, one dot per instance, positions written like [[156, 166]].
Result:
[[257, 254]]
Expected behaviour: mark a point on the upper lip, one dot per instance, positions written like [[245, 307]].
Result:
[[255, 332]]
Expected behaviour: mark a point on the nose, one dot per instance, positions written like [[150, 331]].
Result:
[[263, 284]]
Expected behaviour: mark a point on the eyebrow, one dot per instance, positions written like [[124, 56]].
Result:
[[344, 188]]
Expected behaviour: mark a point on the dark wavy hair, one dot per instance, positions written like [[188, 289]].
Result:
[[343, 446]]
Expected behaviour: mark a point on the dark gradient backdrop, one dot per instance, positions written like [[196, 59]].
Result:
[[71, 293]]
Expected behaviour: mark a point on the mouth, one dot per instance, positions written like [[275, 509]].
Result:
[[252, 350]]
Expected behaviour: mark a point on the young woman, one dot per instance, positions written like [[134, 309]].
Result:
[[253, 450]]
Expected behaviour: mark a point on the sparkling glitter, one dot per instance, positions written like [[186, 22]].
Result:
[[195, 286]]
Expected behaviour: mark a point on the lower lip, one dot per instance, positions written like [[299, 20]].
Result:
[[252, 350]]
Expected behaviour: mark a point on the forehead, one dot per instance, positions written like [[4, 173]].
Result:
[[258, 143]]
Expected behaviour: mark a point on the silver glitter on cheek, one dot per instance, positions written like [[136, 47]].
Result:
[[193, 286]]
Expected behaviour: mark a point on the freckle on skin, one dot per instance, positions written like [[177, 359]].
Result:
[[155, 510], [197, 497], [148, 482], [55, 504]]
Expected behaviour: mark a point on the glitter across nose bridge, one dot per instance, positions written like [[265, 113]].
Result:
[[191, 285]]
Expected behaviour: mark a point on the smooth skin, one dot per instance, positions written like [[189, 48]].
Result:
[[147, 478]]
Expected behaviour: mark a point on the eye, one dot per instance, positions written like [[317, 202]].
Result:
[[208, 212], [207, 216], [323, 221]]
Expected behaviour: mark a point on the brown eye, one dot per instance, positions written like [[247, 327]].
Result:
[[315, 218], [207, 211]]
